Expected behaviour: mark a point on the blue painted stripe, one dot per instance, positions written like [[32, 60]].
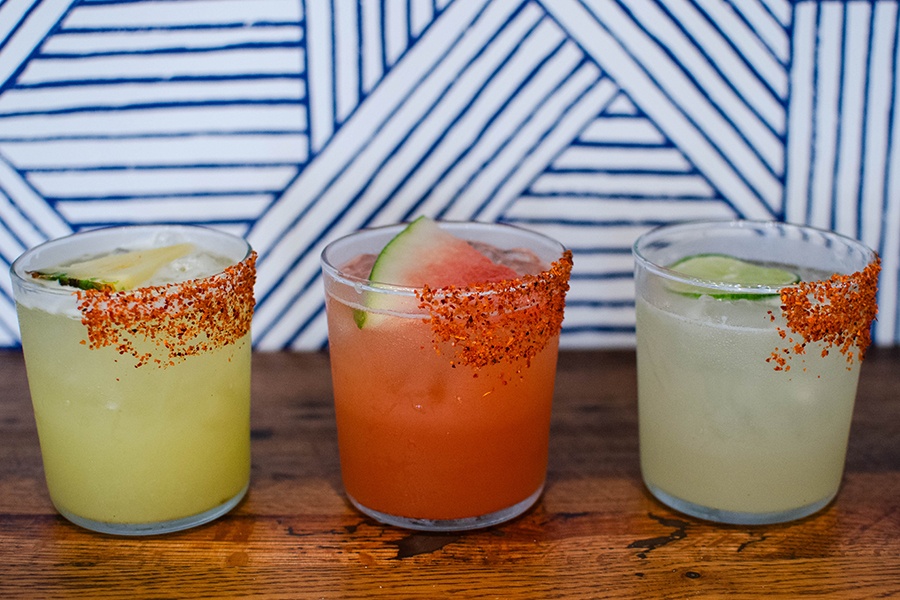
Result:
[[489, 123], [649, 169], [305, 323], [599, 222], [603, 276], [587, 195], [144, 52], [892, 156], [767, 6], [839, 124], [111, 81], [152, 136], [814, 109], [121, 220], [569, 328], [160, 167], [864, 120], [324, 233], [542, 138], [140, 106], [16, 204], [19, 24], [157, 196], [740, 13], [325, 228], [332, 224], [725, 78], [235, 26], [576, 302], [624, 144]]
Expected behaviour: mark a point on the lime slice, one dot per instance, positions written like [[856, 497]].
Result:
[[117, 271], [722, 268]]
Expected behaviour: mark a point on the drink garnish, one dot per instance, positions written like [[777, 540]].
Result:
[[723, 268], [424, 254], [484, 309], [114, 272]]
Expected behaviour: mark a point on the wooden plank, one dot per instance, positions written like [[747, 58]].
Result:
[[596, 533]]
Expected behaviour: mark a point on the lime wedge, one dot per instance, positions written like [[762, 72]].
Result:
[[117, 271], [722, 268]]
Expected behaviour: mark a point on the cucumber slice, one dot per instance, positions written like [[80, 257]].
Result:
[[723, 268], [424, 254], [117, 271]]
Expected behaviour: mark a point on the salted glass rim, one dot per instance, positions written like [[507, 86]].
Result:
[[806, 233]]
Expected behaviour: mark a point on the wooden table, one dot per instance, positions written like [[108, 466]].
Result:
[[596, 533]]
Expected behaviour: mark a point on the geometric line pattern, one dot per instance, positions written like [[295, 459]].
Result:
[[293, 122]]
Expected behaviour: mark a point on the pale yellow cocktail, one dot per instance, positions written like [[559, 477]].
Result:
[[750, 337], [142, 396], [731, 433]]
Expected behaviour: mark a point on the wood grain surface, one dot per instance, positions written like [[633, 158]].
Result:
[[596, 533]]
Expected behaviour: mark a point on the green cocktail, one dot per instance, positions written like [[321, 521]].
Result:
[[140, 387], [748, 365]]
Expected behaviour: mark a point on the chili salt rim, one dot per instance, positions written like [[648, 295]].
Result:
[[837, 312], [642, 247], [237, 279], [506, 321], [544, 291], [181, 319]]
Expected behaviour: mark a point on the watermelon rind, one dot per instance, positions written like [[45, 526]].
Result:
[[421, 254]]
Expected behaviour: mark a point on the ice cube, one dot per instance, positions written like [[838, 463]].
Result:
[[520, 260]]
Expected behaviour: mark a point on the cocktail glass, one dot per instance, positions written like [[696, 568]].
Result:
[[141, 397], [745, 392], [443, 400]]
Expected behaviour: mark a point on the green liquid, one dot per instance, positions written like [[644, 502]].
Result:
[[719, 426], [136, 445]]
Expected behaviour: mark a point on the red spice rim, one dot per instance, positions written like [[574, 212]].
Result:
[[866, 254]]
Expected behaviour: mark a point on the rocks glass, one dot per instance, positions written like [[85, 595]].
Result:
[[141, 396], [745, 392], [443, 396]]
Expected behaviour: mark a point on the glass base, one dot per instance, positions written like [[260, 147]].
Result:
[[735, 517], [157, 528], [447, 525]]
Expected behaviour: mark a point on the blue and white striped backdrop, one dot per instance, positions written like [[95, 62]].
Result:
[[294, 121]]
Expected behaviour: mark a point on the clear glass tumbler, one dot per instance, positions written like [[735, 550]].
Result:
[[746, 391], [443, 396], [141, 396]]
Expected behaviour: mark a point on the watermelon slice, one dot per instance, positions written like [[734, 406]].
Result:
[[424, 254]]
